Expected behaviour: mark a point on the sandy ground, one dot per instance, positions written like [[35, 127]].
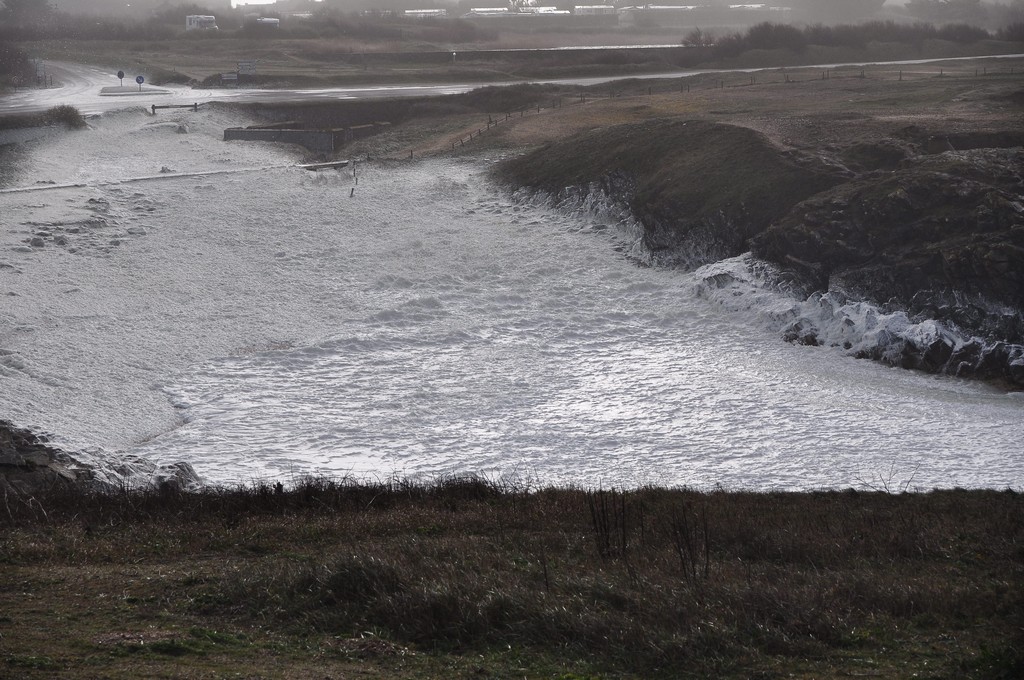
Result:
[[795, 108]]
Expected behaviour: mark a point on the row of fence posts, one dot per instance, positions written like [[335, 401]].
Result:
[[719, 84], [492, 122]]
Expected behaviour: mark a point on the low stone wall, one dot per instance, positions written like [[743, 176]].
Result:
[[319, 141]]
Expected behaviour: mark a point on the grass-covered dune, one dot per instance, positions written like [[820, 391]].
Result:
[[699, 187], [466, 578]]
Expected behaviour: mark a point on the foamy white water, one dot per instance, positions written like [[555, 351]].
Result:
[[268, 325]]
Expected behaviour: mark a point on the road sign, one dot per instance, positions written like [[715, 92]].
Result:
[[140, 80], [247, 67], [120, 76]]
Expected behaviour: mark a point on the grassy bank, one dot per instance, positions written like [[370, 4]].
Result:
[[678, 173], [472, 579], [321, 63]]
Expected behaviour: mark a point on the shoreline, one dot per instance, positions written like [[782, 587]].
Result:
[[425, 132]]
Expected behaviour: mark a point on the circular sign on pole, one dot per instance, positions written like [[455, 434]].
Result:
[[120, 76], [140, 80]]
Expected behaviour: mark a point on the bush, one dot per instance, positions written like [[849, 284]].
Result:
[[776, 36], [963, 33], [67, 115], [1012, 33], [780, 36]]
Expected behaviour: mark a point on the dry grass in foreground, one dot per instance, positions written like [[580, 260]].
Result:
[[467, 578]]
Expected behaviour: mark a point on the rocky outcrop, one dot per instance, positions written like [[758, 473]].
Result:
[[941, 238], [699, 189], [919, 225], [30, 464]]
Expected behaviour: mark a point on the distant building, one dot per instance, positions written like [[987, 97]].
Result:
[[200, 22], [593, 10], [488, 11], [425, 13]]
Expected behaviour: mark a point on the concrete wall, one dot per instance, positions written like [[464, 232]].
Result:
[[319, 141]]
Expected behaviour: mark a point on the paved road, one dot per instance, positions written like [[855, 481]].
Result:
[[82, 86]]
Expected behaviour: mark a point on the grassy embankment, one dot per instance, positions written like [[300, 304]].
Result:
[[472, 579], [326, 62]]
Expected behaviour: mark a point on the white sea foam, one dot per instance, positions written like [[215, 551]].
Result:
[[268, 325], [746, 285]]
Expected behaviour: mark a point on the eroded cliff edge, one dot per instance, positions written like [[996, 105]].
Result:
[[925, 226]]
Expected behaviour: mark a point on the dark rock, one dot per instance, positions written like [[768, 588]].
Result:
[[179, 476], [942, 234], [936, 354], [801, 332], [965, 359], [28, 463]]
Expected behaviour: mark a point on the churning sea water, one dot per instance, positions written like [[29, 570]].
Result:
[[464, 332], [269, 324]]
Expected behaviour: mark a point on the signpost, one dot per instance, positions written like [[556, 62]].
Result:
[[120, 76], [140, 80]]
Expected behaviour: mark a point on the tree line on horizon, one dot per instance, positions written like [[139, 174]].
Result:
[[986, 13], [26, 20], [769, 36]]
